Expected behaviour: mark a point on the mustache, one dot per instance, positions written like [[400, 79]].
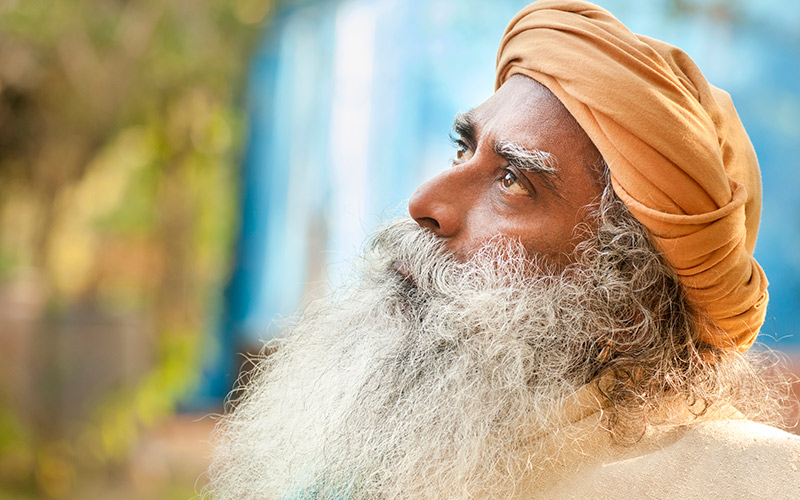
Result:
[[418, 261], [415, 254]]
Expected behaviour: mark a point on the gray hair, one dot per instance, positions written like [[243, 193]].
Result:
[[649, 354]]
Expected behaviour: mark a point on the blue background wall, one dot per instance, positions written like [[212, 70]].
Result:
[[350, 106]]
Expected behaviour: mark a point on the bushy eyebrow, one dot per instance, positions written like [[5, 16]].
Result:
[[530, 160], [464, 127]]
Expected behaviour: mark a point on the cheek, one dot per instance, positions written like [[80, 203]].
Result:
[[548, 234], [552, 241], [552, 233], [545, 227]]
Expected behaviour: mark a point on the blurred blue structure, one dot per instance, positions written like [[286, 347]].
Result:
[[350, 105]]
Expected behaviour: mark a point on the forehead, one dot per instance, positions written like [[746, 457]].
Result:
[[524, 111]]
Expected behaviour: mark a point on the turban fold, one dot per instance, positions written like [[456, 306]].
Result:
[[678, 155]]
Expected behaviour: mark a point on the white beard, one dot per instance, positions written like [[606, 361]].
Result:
[[430, 388]]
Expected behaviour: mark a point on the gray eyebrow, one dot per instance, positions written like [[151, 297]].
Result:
[[530, 160]]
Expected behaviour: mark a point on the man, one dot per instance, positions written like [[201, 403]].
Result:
[[568, 314]]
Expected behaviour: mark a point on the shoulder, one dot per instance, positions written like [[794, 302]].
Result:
[[741, 436], [744, 452], [721, 459], [706, 459]]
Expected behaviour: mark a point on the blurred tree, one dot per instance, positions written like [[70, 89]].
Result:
[[120, 131]]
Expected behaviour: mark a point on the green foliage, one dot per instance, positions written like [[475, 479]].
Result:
[[120, 134]]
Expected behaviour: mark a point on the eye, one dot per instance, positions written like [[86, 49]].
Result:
[[463, 151], [512, 184]]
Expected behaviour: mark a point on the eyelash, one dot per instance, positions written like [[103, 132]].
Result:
[[460, 145], [516, 175]]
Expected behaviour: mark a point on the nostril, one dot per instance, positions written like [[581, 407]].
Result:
[[435, 205], [428, 223]]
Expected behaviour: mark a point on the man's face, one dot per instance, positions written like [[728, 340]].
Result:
[[523, 169], [401, 388]]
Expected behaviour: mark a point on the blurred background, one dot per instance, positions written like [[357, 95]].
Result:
[[176, 176]]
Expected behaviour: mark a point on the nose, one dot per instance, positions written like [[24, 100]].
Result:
[[435, 205]]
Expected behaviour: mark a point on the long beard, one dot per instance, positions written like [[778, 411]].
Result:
[[432, 382]]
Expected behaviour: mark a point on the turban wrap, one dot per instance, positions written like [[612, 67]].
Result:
[[678, 155]]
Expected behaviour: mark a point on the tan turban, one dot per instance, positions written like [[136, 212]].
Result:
[[678, 154]]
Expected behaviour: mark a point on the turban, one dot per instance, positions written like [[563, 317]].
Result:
[[678, 155]]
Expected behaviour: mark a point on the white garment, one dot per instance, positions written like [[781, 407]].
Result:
[[718, 456]]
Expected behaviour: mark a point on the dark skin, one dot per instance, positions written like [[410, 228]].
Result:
[[490, 191]]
